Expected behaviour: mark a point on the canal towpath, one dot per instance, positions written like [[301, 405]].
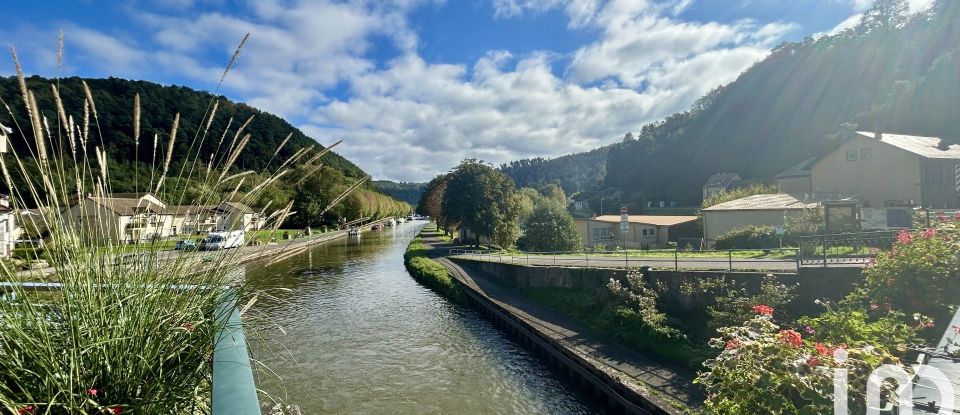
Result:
[[667, 385]]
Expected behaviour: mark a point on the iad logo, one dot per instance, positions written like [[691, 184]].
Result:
[[904, 390]]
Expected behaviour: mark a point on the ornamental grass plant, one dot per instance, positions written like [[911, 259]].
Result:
[[127, 328]]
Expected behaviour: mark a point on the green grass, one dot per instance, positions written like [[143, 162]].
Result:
[[595, 310], [265, 235], [429, 272]]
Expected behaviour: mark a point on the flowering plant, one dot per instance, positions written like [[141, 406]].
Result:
[[764, 368]]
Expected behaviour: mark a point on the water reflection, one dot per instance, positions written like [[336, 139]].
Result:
[[361, 336]]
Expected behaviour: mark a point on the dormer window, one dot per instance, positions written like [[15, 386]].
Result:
[[851, 155]]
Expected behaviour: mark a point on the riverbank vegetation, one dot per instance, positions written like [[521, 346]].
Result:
[[429, 272]]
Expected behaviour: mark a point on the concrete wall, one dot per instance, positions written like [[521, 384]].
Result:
[[889, 175], [812, 283]]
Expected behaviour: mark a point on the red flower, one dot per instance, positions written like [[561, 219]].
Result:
[[763, 309], [813, 361], [116, 409], [824, 350], [874, 306], [941, 218], [956, 216], [733, 344], [26, 410], [904, 237], [928, 233], [871, 262], [791, 338], [92, 392]]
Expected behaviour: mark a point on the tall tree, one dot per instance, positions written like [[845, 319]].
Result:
[[431, 200], [483, 200], [551, 228]]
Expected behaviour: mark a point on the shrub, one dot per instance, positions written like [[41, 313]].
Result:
[[748, 237], [727, 303], [551, 228], [879, 326], [920, 274], [763, 368]]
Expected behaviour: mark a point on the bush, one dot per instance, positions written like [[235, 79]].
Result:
[[879, 326], [920, 274], [749, 237], [551, 228], [727, 303], [765, 369]]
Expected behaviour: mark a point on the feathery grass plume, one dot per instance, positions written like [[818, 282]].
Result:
[[233, 59], [305, 176], [86, 91], [239, 131], [59, 51], [61, 113], [345, 194], [136, 324], [166, 161], [213, 113], [136, 119], [233, 156], [21, 82], [282, 143]]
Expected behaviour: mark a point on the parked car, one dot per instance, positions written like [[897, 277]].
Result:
[[222, 240], [185, 245]]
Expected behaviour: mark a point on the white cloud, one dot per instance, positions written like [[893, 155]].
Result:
[[409, 119]]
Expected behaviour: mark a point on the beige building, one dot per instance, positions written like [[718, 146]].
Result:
[[890, 170], [123, 217], [227, 216], [769, 210], [645, 231], [796, 180]]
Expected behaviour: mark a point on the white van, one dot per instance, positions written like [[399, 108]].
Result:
[[222, 240]]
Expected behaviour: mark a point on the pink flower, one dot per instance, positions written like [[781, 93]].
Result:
[[92, 392], [26, 410], [824, 350], [956, 216], [116, 409], [904, 237], [763, 309], [941, 218], [871, 262], [813, 361], [874, 306], [809, 330], [874, 251], [790, 338], [929, 233], [732, 344], [187, 326]]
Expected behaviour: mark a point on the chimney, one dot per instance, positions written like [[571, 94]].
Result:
[[943, 145]]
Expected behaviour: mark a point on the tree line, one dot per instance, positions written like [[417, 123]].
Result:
[[484, 201]]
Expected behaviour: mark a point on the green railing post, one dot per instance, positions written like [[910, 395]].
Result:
[[234, 391]]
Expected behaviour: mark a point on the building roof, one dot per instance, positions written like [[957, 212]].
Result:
[[777, 201], [922, 146], [721, 180], [648, 219], [234, 206], [188, 209], [800, 169], [125, 206]]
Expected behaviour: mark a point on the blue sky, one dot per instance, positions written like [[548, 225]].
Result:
[[414, 86]]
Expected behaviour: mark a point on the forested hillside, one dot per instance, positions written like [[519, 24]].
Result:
[[130, 164], [894, 72], [574, 172], [407, 192]]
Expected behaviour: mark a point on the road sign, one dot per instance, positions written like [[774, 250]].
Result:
[[779, 230]]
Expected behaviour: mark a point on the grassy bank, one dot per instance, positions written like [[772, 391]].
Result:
[[597, 310], [429, 272]]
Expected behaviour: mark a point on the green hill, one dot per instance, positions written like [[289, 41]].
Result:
[[407, 192], [114, 101]]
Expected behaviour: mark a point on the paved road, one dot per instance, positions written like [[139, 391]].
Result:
[[742, 264]]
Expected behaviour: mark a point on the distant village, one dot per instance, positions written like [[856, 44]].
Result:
[[871, 181]]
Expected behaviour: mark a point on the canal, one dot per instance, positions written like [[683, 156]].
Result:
[[344, 329]]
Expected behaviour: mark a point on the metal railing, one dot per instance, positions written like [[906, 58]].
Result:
[[778, 259], [844, 248]]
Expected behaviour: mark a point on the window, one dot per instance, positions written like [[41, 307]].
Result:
[[866, 153], [650, 232], [601, 234], [851, 155]]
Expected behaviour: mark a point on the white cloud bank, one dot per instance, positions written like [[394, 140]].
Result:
[[409, 119]]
